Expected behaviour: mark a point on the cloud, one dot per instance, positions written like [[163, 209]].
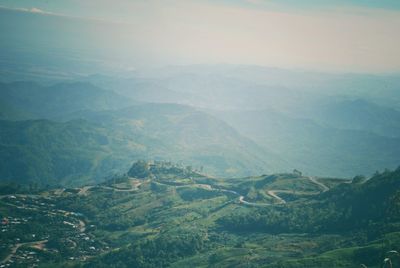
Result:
[[39, 11], [36, 10], [195, 32], [29, 10]]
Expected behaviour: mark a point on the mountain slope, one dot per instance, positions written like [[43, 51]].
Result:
[[79, 151], [37, 101], [314, 148], [171, 216], [190, 135], [358, 114], [46, 152]]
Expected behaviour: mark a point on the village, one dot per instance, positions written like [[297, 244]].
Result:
[[33, 230]]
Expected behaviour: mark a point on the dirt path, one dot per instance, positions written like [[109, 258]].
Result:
[[242, 201], [321, 185], [273, 194], [85, 189], [241, 197]]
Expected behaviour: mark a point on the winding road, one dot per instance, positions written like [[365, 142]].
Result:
[[272, 193], [323, 186], [134, 187], [280, 200]]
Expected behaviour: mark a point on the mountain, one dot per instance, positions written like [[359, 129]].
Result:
[[141, 89], [366, 213], [275, 128], [46, 152], [276, 88], [188, 130], [325, 124], [205, 90], [358, 114], [329, 149], [103, 143], [164, 215], [30, 100]]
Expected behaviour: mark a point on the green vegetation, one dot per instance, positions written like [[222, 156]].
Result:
[[107, 164], [256, 130], [320, 146], [88, 150], [161, 214], [28, 100]]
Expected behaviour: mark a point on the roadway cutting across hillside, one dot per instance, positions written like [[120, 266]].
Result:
[[323, 186], [273, 193]]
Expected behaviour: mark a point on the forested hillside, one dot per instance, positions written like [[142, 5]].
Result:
[[161, 214]]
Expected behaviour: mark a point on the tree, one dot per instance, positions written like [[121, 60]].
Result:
[[139, 169], [358, 179], [297, 172]]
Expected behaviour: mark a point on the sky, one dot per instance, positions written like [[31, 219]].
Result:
[[336, 35]]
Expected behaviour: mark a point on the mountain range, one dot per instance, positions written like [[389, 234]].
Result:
[[230, 120]]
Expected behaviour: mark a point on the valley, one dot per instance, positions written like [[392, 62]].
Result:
[[210, 134], [75, 191]]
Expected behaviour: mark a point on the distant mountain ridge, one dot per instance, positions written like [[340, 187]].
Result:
[[359, 114], [260, 128], [102, 143], [314, 148], [30, 100]]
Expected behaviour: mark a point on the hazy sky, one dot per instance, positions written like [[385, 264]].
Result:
[[345, 35]]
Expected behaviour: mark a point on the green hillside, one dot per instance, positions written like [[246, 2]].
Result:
[[81, 151], [164, 215], [46, 152], [210, 134], [322, 149], [29, 100]]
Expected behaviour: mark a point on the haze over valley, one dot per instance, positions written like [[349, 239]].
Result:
[[199, 134]]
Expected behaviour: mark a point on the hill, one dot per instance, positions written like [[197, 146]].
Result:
[[358, 114], [30, 100], [279, 127], [176, 217], [323, 124], [325, 149], [103, 143]]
